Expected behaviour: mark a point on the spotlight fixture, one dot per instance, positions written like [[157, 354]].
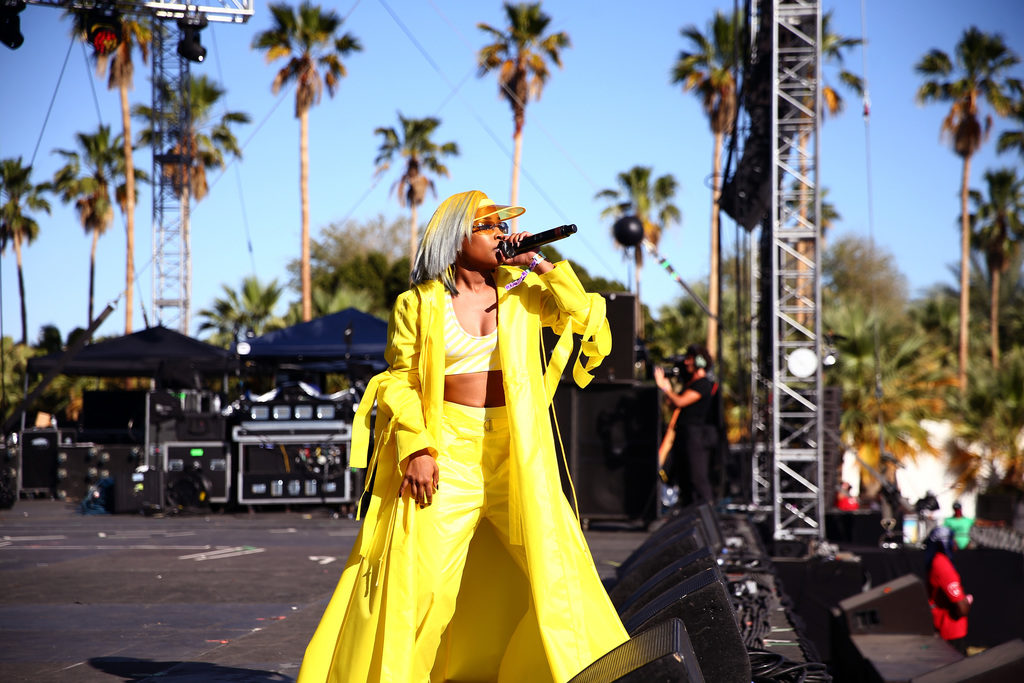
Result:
[[189, 46], [103, 29], [10, 23]]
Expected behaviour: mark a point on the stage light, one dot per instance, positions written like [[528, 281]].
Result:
[[189, 46], [103, 29], [10, 23]]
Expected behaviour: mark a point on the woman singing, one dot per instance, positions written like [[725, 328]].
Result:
[[470, 564]]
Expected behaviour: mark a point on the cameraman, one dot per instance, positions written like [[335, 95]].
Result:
[[695, 438]]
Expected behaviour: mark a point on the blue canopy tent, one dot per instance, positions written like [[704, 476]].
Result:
[[347, 341]]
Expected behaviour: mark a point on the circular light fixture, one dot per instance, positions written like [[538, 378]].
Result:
[[243, 348], [802, 363]]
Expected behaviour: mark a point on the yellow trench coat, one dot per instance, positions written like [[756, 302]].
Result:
[[369, 626]]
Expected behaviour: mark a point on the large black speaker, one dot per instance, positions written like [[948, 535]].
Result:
[[629, 599], [1000, 664], [39, 460], [113, 417], [897, 606], [702, 602], [620, 365], [693, 527], [646, 562], [610, 433], [661, 654]]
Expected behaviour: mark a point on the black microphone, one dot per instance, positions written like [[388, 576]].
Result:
[[508, 249]]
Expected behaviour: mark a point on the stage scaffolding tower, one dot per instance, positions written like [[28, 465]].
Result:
[[172, 165], [786, 323]]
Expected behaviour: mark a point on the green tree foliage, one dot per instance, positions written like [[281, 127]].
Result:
[[859, 273], [989, 424], [248, 310], [367, 257]]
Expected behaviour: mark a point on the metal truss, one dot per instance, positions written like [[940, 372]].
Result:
[[785, 292], [797, 428], [172, 165], [172, 160], [231, 11]]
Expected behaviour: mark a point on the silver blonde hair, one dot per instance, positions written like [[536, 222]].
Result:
[[442, 239]]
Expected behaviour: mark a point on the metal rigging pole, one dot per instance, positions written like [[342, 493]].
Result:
[[786, 329]]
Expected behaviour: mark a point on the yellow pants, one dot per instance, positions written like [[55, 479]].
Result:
[[474, 484]]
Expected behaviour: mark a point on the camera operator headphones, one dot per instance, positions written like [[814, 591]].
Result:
[[699, 362]]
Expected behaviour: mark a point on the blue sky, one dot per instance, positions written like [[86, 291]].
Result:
[[610, 108]]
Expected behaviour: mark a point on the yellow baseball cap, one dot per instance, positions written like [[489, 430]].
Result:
[[485, 208]]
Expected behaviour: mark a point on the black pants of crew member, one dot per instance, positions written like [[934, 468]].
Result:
[[690, 462]]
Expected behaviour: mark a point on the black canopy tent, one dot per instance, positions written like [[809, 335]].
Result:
[[170, 357], [346, 341]]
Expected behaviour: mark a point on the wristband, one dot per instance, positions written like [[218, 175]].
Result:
[[537, 258]]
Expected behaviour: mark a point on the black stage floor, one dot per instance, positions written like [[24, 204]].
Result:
[[189, 598]]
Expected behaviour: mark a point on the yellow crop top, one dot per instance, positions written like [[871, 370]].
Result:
[[464, 353]]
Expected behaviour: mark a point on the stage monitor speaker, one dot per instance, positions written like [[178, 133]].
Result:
[[897, 606], [679, 536], [702, 602], [662, 653], [629, 597], [610, 434], [1000, 664]]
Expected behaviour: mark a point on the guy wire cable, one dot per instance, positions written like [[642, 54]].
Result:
[[238, 174], [53, 99], [871, 220]]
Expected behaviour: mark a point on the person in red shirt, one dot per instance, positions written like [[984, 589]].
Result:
[[949, 603]]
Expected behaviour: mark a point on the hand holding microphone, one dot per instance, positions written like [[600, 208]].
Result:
[[509, 249]]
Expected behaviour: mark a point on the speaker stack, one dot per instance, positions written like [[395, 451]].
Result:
[[610, 434], [672, 583]]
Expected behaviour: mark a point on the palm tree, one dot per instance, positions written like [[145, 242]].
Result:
[[519, 53], [651, 203], [1013, 139], [412, 142], [707, 70], [89, 188], [307, 39], [134, 33], [206, 142], [997, 230], [981, 62], [250, 310], [17, 226]]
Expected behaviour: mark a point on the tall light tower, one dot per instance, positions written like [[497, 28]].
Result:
[[786, 285]]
